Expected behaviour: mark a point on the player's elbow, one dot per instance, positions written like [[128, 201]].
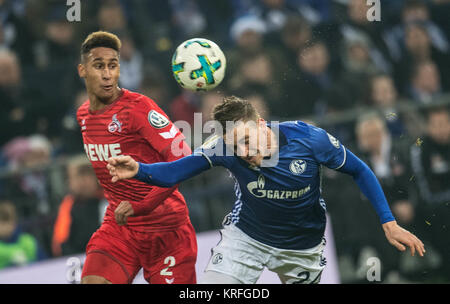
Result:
[[355, 167]]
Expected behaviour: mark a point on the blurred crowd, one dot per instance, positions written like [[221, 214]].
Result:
[[378, 86]]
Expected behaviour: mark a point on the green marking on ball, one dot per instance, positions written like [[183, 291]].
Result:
[[201, 43], [177, 68], [207, 70]]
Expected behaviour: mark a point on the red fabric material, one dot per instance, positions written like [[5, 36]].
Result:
[[126, 128], [117, 253]]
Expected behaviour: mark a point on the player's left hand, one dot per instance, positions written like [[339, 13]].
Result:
[[122, 212], [400, 237]]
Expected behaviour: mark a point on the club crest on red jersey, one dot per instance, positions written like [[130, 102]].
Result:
[[115, 125], [157, 120]]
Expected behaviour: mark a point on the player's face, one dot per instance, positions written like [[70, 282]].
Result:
[[249, 141], [101, 71]]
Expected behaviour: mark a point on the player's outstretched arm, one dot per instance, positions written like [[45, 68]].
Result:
[[164, 174], [371, 188]]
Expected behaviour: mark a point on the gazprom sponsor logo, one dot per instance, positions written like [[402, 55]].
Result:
[[256, 188], [261, 182]]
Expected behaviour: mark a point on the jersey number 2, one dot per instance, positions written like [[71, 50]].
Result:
[[171, 261]]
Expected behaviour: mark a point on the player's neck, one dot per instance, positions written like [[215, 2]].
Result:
[[96, 104]]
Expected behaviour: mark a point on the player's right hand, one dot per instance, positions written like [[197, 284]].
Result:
[[122, 167], [122, 212], [400, 238]]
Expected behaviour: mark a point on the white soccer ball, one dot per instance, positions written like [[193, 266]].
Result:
[[198, 64]]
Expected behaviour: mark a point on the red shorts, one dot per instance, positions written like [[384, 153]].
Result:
[[117, 253]]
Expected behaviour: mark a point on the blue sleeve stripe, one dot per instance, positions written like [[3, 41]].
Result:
[[345, 159]]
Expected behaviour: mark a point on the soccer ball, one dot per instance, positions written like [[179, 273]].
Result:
[[198, 64]]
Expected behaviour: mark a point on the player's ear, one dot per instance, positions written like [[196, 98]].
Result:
[[81, 70]]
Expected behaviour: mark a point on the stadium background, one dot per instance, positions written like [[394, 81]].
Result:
[[380, 87]]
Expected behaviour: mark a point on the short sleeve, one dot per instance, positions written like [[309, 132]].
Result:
[[215, 152], [155, 127], [327, 149]]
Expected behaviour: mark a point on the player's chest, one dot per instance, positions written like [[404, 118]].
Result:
[[107, 136], [291, 177], [105, 128]]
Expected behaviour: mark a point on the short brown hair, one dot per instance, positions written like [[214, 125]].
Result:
[[100, 39], [233, 109]]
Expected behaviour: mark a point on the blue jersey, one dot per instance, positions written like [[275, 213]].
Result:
[[281, 206]]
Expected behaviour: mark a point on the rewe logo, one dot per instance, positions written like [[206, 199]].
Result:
[[99, 152]]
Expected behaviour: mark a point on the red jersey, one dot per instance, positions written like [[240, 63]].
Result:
[[134, 125]]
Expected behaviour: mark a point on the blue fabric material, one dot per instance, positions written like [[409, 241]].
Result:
[[171, 173], [279, 205], [369, 185]]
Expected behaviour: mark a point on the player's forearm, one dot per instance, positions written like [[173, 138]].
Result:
[[155, 197], [171, 173], [166, 175], [369, 186]]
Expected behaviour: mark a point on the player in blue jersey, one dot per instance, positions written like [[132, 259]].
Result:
[[278, 220]]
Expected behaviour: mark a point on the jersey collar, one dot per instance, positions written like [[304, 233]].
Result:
[[106, 108]]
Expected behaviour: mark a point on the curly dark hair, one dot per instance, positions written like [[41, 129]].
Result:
[[100, 39]]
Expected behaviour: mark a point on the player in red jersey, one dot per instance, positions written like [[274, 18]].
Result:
[[144, 226]]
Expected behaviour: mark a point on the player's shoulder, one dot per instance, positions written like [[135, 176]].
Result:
[[216, 152], [137, 101], [307, 134], [297, 129], [213, 144], [142, 109], [139, 104], [83, 109]]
